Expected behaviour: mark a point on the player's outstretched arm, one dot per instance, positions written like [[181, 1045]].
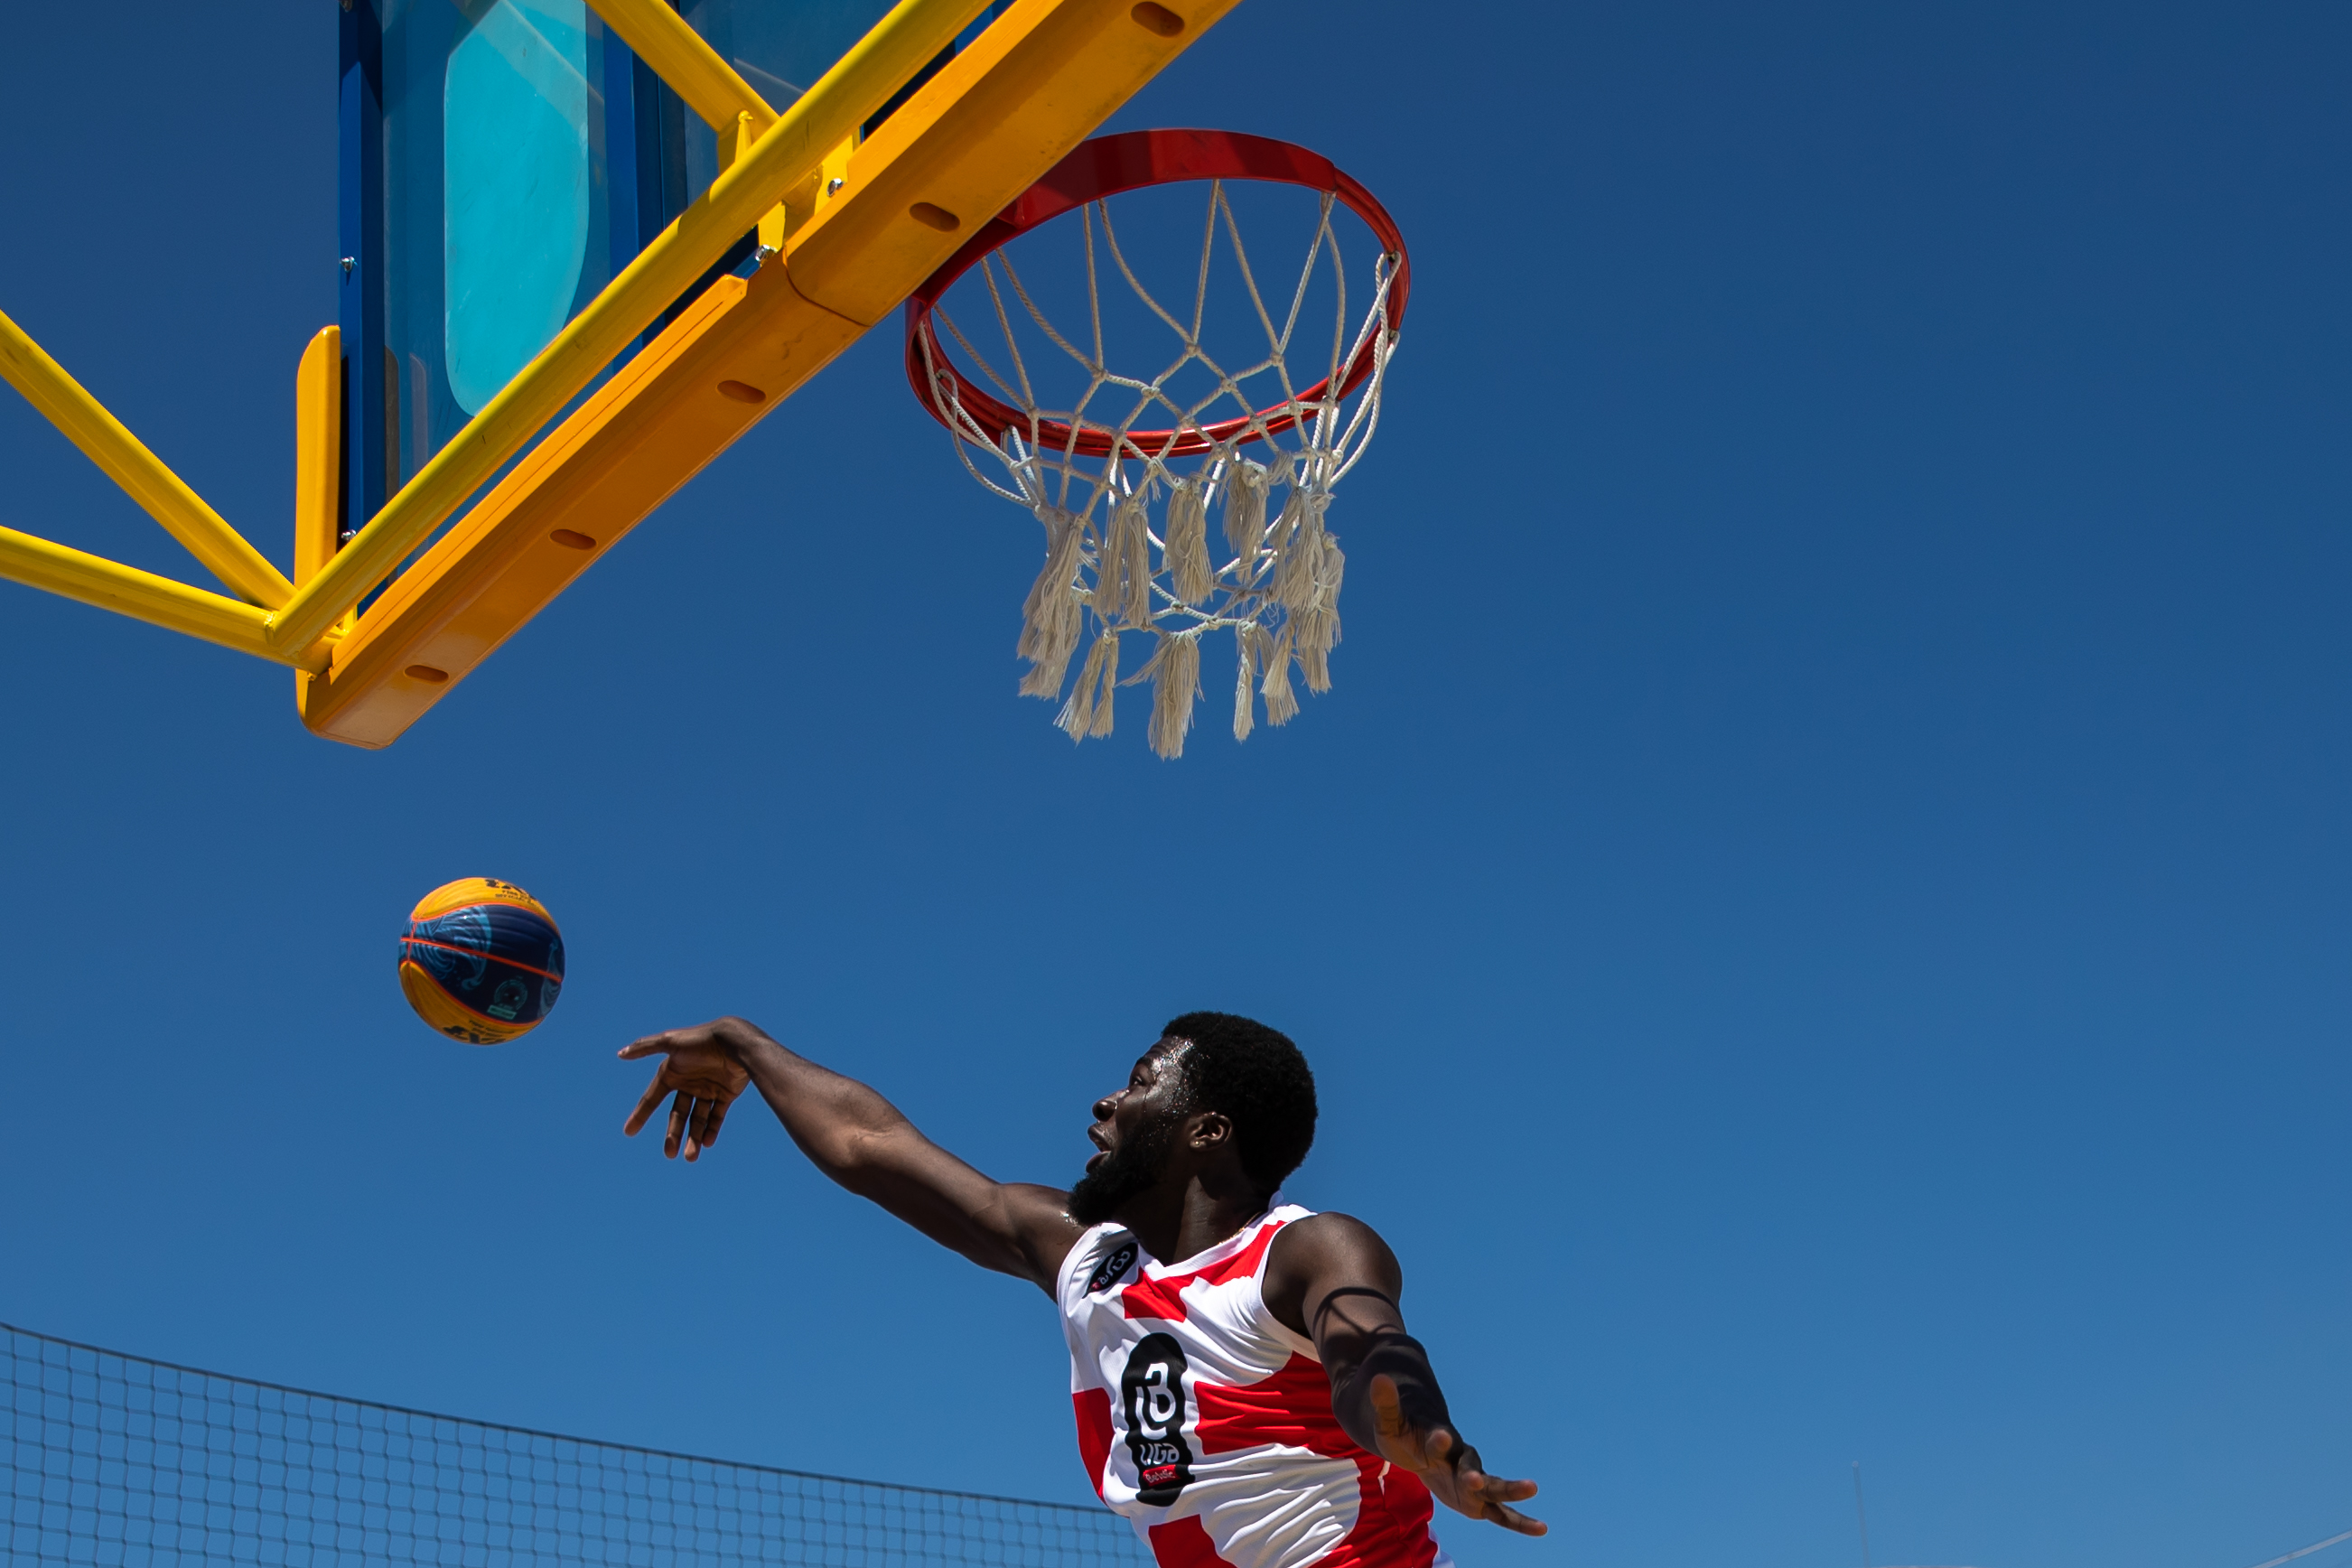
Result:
[[1333, 1279], [856, 1136]]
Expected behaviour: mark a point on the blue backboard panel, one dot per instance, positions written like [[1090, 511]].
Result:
[[502, 161]]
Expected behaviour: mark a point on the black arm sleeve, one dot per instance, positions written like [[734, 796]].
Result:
[[1397, 1355]]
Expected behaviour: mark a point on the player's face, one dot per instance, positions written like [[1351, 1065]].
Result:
[[1134, 1130], [1154, 1088]]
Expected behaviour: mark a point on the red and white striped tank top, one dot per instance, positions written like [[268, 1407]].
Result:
[[1209, 1425]]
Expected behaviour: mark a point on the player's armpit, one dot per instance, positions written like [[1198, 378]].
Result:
[[1039, 1218]]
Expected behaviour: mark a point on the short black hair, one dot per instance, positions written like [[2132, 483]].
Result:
[[1256, 1076]]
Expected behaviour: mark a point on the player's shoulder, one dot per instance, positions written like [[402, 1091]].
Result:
[[1321, 1255], [1319, 1241], [1331, 1224]]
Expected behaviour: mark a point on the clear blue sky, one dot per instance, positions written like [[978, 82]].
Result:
[[1819, 902]]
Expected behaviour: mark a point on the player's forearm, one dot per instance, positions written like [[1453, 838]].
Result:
[[1390, 1352], [839, 1123], [867, 1145]]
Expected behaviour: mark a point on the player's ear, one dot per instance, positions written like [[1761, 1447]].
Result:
[[1210, 1129]]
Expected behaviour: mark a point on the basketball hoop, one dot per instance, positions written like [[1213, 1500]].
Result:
[[1124, 494]]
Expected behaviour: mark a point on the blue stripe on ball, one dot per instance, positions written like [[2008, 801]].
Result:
[[502, 962]]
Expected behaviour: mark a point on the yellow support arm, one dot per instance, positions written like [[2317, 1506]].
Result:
[[63, 402], [318, 452], [787, 153], [111, 586], [694, 70]]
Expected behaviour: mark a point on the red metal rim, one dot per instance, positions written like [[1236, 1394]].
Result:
[[1129, 161]]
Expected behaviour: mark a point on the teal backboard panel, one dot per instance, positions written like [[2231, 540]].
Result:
[[502, 161]]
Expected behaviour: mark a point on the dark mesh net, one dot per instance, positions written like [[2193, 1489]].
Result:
[[112, 1459]]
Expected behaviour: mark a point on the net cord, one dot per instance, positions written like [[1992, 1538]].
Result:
[[119, 1461]]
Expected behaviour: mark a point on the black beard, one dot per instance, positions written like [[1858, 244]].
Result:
[[1132, 1170]]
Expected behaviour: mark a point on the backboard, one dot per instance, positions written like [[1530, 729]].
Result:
[[586, 244], [501, 161]]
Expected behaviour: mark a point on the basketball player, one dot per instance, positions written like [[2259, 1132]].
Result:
[[1246, 1392]]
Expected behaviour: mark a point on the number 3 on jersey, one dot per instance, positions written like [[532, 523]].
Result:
[[1151, 1395]]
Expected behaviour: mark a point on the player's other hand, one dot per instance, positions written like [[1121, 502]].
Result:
[[1447, 1465], [700, 1074]]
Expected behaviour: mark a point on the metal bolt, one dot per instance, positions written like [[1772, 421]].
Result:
[[832, 186], [765, 254], [350, 262]]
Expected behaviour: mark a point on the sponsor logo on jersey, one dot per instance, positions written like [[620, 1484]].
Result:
[[1113, 1269], [1151, 1395]]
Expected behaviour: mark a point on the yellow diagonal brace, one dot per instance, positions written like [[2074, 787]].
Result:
[[62, 401], [111, 586], [694, 70], [787, 153]]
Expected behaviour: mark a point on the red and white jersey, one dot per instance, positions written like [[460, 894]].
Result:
[[1209, 1425]]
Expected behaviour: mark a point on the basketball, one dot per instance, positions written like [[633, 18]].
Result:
[[481, 961]]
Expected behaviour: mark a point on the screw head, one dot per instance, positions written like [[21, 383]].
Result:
[[350, 262], [832, 186]]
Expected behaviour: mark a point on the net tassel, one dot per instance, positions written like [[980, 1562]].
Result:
[[1101, 726], [1281, 703], [1051, 616], [1281, 541], [1088, 710], [1245, 704], [1246, 513], [1307, 583], [1318, 625], [1123, 581], [1174, 672], [1297, 540], [1191, 579]]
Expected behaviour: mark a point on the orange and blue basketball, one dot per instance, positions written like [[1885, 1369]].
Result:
[[481, 961]]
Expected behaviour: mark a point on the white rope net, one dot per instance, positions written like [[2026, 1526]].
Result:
[[1126, 477]]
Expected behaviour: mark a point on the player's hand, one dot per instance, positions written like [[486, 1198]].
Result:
[[1447, 1465], [702, 1076]]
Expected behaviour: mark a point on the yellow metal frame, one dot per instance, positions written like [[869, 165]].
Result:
[[841, 248], [111, 585], [165, 495]]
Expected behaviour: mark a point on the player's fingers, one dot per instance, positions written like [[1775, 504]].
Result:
[[697, 1129], [1488, 1497], [1477, 1483], [1512, 1519], [718, 1115], [679, 1105], [647, 1103], [649, 1046]]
